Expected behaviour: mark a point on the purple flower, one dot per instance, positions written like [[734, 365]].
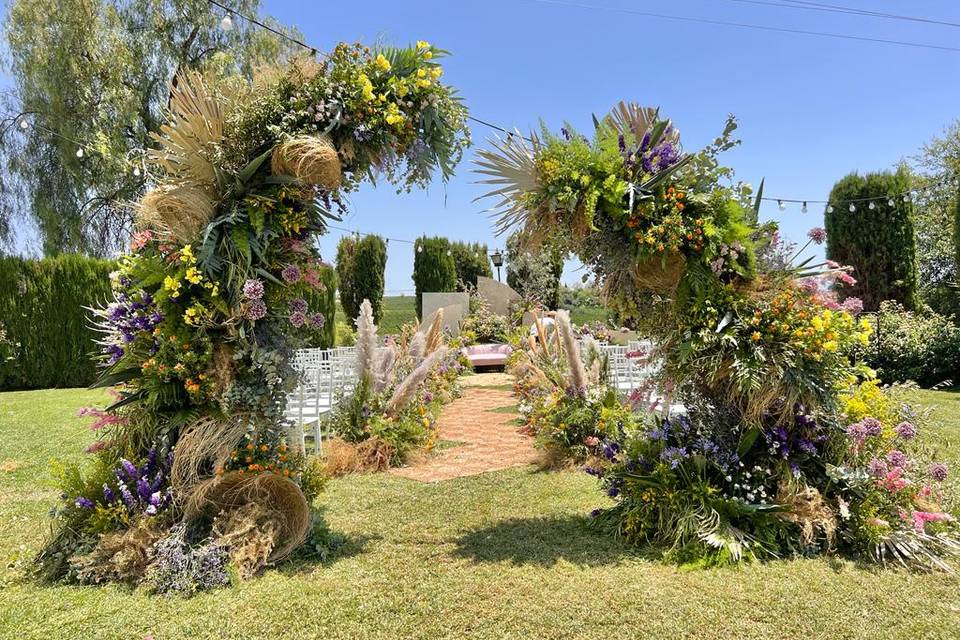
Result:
[[595, 513], [291, 273], [807, 446], [871, 426], [108, 493], [817, 235], [937, 471], [610, 449], [143, 489], [877, 468], [674, 455], [897, 458], [256, 310], [906, 430], [128, 468], [84, 503], [613, 491], [298, 305], [853, 306], [253, 289], [297, 319], [317, 319]]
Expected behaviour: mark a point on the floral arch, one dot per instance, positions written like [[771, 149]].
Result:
[[218, 289]]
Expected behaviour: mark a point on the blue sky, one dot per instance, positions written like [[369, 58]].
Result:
[[811, 109]]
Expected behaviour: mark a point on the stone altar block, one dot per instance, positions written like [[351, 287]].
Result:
[[497, 294], [455, 307]]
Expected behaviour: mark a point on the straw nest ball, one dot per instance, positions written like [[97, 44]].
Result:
[[310, 159], [178, 211]]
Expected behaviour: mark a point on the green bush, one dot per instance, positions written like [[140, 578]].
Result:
[[43, 311], [325, 302], [346, 254], [472, 261], [433, 268], [879, 243], [923, 346], [535, 276], [361, 263]]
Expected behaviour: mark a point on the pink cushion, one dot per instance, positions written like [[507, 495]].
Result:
[[487, 354]]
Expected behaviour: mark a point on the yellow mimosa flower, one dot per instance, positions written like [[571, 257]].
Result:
[[382, 63]]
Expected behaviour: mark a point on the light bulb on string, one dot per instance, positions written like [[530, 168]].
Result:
[[23, 123], [781, 204], [136, 171], [80, 152], [906, 197], [226, 23], [890, 202], [873, 205], [852, 207], [829, 208], [803, 208], [419, 248]]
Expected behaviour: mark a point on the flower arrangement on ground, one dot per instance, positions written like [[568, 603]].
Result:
[[766, 461], [391, 413], [193, 470], [482, 325]]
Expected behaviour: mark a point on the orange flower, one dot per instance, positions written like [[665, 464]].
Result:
[[756, 336]]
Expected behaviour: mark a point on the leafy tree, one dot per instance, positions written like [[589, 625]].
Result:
[[535, 276], [879, 243], [472, 261], [346, 276], [370, 262], [97, 72], [433, 268]]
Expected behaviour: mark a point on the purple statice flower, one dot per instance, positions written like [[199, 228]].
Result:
[[897, 458], [128, 468], [622, 143], [298, 305], [877, 468], [937, 471], [645, 141], [427, 397], [817, 235], [317, 320], [256, 310], [610, 449], [126, 496], [906, 430], [291, 273], [565, 133], [613, 490], [108, 493], [871, 426], [596, 472], [84, 503], [253, 289], [595, 513], [143, 489], [806, 446], [297, 319]]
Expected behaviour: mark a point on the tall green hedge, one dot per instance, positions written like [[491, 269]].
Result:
[[434, 269], [361, 263], [326, 303], [879, 243], [472, 260], [43, 310], [535, 275]]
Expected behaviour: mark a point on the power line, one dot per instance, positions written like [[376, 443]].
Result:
[[833, 8], [747, 25]]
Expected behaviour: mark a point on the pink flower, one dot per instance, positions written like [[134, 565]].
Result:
[[817, 235], [591, 441], [95, 446], [103, 418], [894, 480], [853, 306], [140, 240], [847, 279], [921, 518], [832, 265]]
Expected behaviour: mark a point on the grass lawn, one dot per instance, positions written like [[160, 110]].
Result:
[[503, 555]]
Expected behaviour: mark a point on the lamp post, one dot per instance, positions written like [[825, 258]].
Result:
[[497, 258]]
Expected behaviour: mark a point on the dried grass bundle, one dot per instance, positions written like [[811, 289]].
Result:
[[123, 556], [278, 501], [418, 346], [434, 337], [578, 375], [204, 446], [197, 110], [366, 341], [806, 509], [178, 212], [407, 390], [309, 159], [342, 457], [384, 369], [250, 532]]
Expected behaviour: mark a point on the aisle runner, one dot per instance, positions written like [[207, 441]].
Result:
[[487, 438]]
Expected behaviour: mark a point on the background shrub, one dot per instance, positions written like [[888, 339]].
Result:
[[326, 303], [43, 310], [433, 268], [471, 260], [535, 276], [346, 251], [361, 263], [923, 347], [879, 243]]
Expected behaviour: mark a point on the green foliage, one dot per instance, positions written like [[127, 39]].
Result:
[[879, 243], [535, 275], [472, 261], [98, 71], [483, 325], [43, 306], [346, 274], [923, 347], [323, 300], [434, 270], [370, 261]]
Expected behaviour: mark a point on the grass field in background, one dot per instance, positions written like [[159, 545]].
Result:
[[505, 554]]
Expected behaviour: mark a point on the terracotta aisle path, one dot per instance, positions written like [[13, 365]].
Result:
[[487, 439]]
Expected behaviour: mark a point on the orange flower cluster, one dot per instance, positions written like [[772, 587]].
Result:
[[259, 458], [662, 224]]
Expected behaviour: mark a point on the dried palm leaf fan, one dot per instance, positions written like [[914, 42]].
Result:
[[513, 173], [310, 159], [178, 212], [196, 113]]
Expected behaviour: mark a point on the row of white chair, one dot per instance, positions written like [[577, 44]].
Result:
[[324, 375]]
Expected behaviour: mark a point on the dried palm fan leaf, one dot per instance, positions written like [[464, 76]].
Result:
[[511, 169], [434, 337], [406, 390], [630, 117], [309, 159], [277, 499], [196, 112], [204, 446], [179, 212]]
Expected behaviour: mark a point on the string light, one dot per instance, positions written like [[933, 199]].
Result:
[[781, 204], [23, 123], [873, 205], [829, 208], [80, 152], [890, 202], [227, 23], [853, 207], [906, 197], [803, 209]]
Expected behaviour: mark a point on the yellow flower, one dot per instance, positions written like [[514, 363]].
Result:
[[426, 422], [366, 87], [423, 44], [427, 55], [171, 284], [423, 84], [755, 336], [382, 63], [193, 275], [186, 254], [402, 89], [830, 345], [436, 72], [817, 323]]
